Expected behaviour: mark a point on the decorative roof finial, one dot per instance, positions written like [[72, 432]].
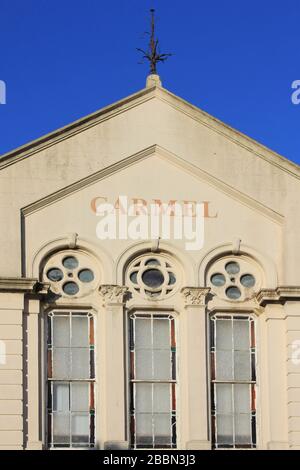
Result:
[[152, 54]]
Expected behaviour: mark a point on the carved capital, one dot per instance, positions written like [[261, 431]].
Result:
[[113, 294], [195, 295]]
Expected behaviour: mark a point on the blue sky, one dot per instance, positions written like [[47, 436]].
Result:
[[63, 59]]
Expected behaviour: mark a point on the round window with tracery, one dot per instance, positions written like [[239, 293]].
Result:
[[234, 279], [153, 277], [71, 274]]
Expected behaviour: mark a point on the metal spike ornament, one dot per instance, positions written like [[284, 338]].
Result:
[[153, 55]]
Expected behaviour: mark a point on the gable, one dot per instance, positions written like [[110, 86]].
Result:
[[152, 175], [151, 118]]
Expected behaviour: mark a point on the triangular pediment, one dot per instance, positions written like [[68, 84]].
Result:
[[137, 99], [172, 160]]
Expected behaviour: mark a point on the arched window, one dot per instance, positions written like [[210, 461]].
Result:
[[234, 282], [152, 279], [70, 329]]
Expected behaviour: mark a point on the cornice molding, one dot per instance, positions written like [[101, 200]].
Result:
[[25, 285], [140, 97], [220, 185], [195, 296], [279, 295], [235, 136], [88, 181], [113, 294], [91, 120]]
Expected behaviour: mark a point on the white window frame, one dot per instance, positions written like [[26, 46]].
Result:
[[253, 353], [153, 313], [92, 380]]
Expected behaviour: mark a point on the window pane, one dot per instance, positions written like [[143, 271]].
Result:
[[162, 364], [224, 365], [143, 334], [232, 267], [153, 278], [55, 274], [69, 413], [80, 363], [144, 428], [61, 331], [242, 398], [143, 359], [143, 401], [224, 398], [223, 334], [232, 401], [61, 394], [80, 428], [61, 363], [152, 402], [61, 428], [242, 429], [161, 398], [218, 279], [242, 365], [241, 334], [161, 334], [80, 396], [80, 331], [162, 429], [70, 262], [224, 429]]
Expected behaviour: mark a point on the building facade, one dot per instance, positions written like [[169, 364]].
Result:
[[111, 339]]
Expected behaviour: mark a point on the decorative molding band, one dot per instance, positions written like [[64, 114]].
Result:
[[113, 294], [278, 295], [230, 133], [195, 295], [88, 180], [21, 284], [140, 156]]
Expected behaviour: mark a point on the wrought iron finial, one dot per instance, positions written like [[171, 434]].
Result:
[[152, 54]]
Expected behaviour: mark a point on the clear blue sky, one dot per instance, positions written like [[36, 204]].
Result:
[[63, 59]]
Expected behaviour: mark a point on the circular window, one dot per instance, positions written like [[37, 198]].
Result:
[[86, 275], [232, 268], [233, 292], [70, 262], [235, 278], [218, 279], [153, 278], [247, 280], [71, 273], [70, 288], [55, 274]]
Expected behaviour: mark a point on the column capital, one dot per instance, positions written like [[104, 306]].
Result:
[[113, 294], [195, 296]]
